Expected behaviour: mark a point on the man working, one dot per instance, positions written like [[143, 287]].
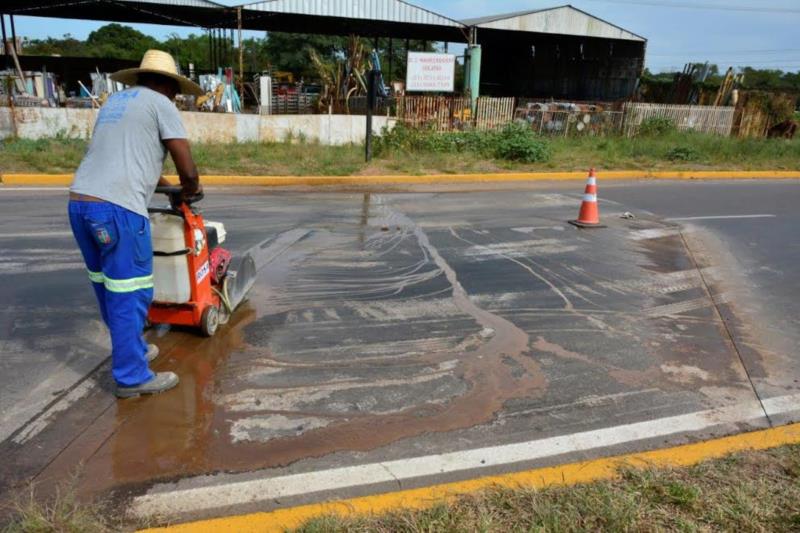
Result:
[[108, 208]]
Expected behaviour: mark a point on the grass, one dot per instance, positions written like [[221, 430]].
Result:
[[679, 151], [747, 492], [60, 513]]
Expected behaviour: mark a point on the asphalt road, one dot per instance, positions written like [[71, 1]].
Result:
[[411, 337], [748, 231]]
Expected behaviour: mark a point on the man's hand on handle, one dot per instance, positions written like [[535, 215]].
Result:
[[187, 170]]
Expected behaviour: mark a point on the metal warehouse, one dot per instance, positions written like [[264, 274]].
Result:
[[560, 52]]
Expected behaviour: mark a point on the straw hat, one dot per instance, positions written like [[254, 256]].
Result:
[[158, 62]]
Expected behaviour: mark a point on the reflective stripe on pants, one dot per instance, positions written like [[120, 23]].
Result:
[[116, 247]]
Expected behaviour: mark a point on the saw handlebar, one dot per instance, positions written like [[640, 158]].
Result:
[[176, 196]]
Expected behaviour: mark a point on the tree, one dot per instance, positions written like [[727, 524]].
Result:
[[118, 41], [289, 51], [769, 79], [191, 49], [67, 45]]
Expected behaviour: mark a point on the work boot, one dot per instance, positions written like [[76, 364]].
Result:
[[162, 381], [152, 352]]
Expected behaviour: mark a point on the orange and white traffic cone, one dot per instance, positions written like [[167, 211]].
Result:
[[589, 216]]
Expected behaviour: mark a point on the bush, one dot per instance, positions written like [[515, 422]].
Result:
[[682, 153], [656, 126], [515, 142]]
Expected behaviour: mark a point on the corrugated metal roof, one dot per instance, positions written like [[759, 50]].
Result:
[[562, 20], [379, 10], [196, 13], [182, 3]]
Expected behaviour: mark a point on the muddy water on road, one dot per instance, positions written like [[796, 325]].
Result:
[[370, 331], [193, 429]]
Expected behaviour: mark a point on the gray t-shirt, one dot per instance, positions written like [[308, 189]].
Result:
[[126, 155]]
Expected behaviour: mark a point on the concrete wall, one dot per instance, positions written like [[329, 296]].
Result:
[[41, 122]]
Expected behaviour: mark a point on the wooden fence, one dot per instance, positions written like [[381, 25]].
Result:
[[704, 119], [494, 113], [449, 113], [443, 113]]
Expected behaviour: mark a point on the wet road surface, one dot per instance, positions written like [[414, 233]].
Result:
[[407, 325]]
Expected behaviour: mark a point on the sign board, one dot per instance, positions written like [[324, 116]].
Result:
[[431, 72]]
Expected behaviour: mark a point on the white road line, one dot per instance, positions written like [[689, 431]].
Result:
[[206, 497], [720, 217]]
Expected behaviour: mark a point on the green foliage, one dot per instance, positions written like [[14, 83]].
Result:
[[191, 49], [116, 40], [288, 51], [67, 45], [112, 40], [515, 142], [656, 126], [682, 153], [771, 79], [754, 78]]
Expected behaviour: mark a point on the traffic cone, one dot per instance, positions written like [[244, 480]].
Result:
[[589, 216]]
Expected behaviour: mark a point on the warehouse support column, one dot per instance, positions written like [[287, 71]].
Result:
[[474, 74], [210, 52], [5, 49], [13, 34], [391, 60]]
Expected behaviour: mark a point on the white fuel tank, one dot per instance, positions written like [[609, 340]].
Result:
[[170, 273], [220, 227]]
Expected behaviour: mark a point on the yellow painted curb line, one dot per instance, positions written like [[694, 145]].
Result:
[[277, 181], [582, 472]]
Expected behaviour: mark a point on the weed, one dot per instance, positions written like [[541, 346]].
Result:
[[515, 142], [657, 126], [63, 513], [682, 153]]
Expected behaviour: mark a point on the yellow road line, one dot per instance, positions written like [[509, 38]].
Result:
[[275, 181], [569, 474]]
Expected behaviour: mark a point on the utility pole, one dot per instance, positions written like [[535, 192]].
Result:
[[241, 56]]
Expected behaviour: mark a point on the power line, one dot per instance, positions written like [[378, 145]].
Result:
[[791, 61], [721, 53], [712, 7], [788, 68]]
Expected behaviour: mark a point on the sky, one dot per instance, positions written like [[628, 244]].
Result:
[[759, 33]]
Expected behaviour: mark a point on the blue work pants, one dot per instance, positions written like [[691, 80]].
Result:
[[118, 253]]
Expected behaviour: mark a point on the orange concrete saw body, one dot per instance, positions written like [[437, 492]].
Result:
[[194, 286]]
